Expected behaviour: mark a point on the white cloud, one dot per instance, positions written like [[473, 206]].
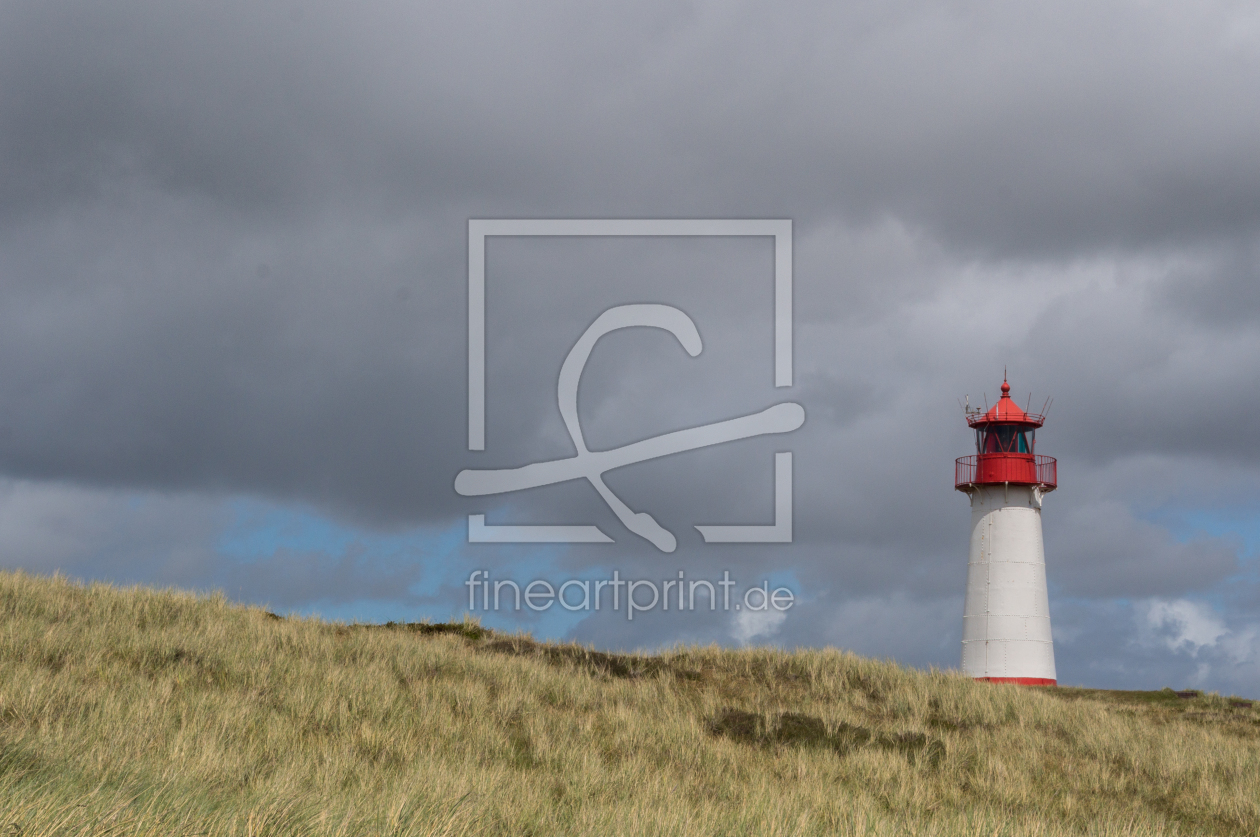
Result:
[[1184, 625], [1193, 628], [750, 624]]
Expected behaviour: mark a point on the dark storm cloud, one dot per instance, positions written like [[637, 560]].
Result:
[[230, 359], [1005, 125], [1222, 290]]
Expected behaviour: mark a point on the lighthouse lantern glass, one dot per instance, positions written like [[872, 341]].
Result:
[[1005, 438]]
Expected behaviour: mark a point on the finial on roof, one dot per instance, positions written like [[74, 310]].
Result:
[[1006, 388]]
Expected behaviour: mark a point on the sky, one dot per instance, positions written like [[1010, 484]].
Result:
[[234, 313]]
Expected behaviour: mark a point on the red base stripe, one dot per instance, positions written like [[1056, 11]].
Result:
[[1021, 681]]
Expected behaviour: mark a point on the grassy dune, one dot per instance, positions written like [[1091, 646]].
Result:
[[142, 712]]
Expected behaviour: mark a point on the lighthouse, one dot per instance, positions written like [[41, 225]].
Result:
[[1006, 617]]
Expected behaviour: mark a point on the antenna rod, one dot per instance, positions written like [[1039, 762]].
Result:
[[1044, 406]]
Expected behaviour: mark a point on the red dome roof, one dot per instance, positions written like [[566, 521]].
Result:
[[1006, 412]]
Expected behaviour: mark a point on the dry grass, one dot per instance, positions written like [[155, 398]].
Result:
[[142, 712]]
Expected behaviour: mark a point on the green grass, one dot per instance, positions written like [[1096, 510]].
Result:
[[143, 712]]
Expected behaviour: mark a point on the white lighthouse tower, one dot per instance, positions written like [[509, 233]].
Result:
[[1006, 618]]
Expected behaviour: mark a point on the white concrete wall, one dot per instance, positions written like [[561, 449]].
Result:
[[1006, 618]]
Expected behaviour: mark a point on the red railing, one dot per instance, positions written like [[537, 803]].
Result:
[[998, 468], [982, 420]]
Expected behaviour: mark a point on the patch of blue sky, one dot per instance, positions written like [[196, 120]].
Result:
[[1239, 524], [260, 531], [1188, 523], [777, 579]]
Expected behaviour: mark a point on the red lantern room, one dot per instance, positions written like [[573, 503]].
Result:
[[1006, 442]]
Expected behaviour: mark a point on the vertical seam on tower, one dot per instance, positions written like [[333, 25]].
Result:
[[988, 579]]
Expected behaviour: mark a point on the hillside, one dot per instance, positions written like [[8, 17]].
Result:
[[142, 712]]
